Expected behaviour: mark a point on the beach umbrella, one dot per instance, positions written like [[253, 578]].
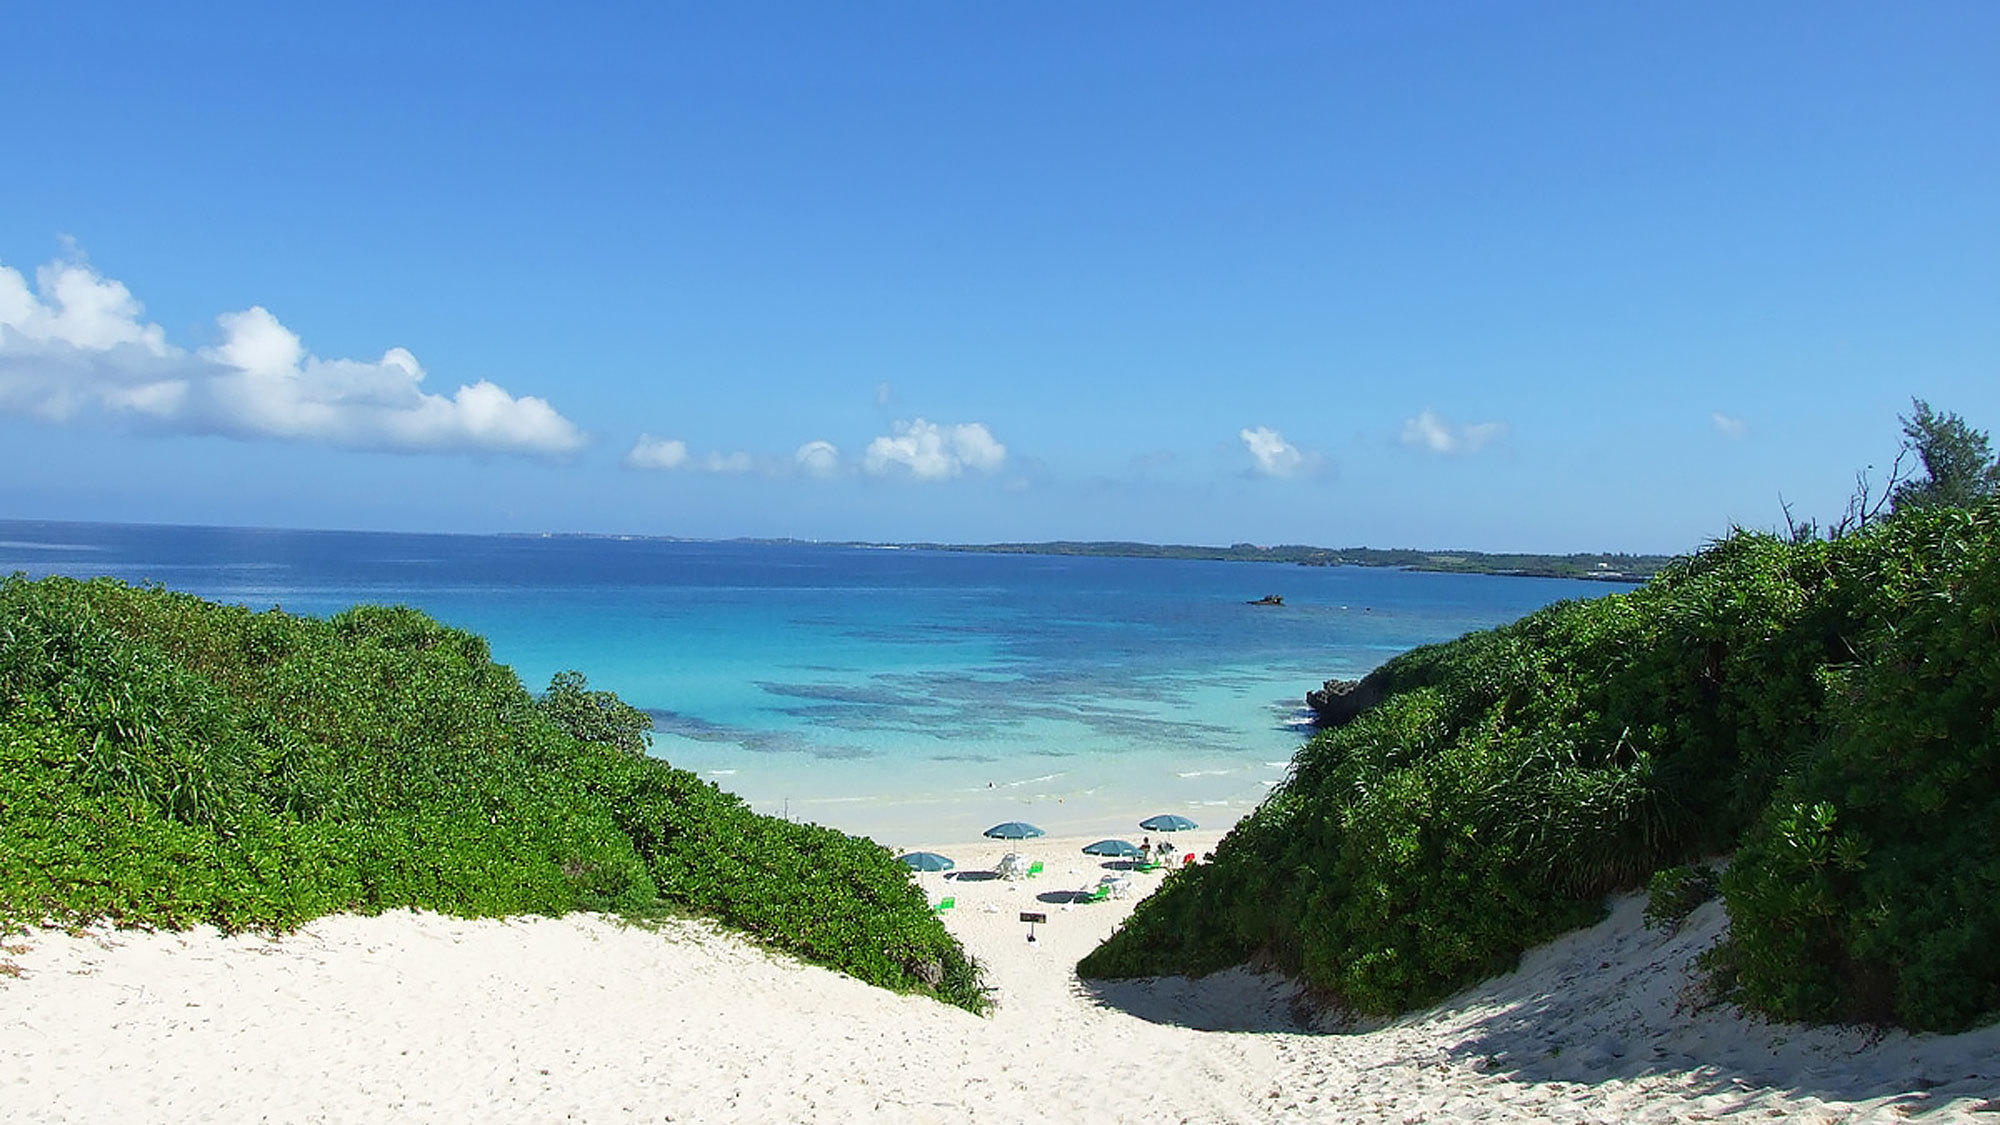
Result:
[[1014, 830], [1124, 849], [926, 861], [1166, 822]]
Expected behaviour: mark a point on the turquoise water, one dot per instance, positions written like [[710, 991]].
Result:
[[914, 696]]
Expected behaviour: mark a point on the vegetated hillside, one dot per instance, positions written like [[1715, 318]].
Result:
[[1824, 709], [166, 761]]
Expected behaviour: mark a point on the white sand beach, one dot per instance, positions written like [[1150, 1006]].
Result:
[[418, 1017]]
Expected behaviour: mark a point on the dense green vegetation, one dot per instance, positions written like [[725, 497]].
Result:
[[1673, 892], [167, 761], [1823, 708], [1955, 465]]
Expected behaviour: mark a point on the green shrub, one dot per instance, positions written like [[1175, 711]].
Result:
[[594, 716], [1673, 892], [1870, 890], [166, 761], [1829, 708]]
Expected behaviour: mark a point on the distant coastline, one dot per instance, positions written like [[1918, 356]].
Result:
[[1593, 567]]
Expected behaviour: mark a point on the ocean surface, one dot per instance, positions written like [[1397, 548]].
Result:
[[915, 696]]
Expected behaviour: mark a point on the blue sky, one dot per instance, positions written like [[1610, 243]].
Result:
[[1552, 277]]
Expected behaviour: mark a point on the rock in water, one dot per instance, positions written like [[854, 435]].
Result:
[[1338, 702]]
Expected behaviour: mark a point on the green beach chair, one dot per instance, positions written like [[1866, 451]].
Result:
[[943, 905], [1034, 869]]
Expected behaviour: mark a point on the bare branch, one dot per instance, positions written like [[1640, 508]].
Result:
[[1799, 532]]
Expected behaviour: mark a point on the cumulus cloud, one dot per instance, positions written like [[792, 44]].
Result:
[[728, 463], [1728, 426], [918, 450], [927, 451], [650, 452], [1434, 434], [1271, 454], [675, 455], [75, 307], [818, 459], [77, 342]]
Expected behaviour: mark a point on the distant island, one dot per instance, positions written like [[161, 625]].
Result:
[[1597, 567], [1601, 567]]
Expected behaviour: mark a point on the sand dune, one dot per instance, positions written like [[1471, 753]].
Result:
[[417, 1017]]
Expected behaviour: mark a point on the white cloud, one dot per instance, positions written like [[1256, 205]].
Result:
[[923, 450], [928, 451], [975, 446], [1728, 426], [77, 308], [650, 452], [1271, 454], [818, 459], [732, 463], [77, 342], [668, 454], [1434, 434], [81, 344]]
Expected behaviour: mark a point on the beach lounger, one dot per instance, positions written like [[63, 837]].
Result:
[[1034, 869], [943, 905]]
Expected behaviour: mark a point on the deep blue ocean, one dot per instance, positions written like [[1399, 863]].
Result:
[[916, 696]]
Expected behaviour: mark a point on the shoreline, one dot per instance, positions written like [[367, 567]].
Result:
[[422, 1017], [923, 803]]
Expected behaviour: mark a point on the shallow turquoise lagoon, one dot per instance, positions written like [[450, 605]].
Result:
[[916, 696]]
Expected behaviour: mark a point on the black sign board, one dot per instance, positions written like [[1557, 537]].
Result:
[[1028, 916]]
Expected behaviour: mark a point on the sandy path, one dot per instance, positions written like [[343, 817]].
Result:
[[410, 1017]]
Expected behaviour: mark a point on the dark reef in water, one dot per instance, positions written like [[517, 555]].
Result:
[[1339, 702]]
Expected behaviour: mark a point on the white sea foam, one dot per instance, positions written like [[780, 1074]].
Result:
[[1036, 780], [26, 545]]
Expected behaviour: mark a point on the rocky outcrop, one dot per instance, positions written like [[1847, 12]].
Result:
[[1338, 702]]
